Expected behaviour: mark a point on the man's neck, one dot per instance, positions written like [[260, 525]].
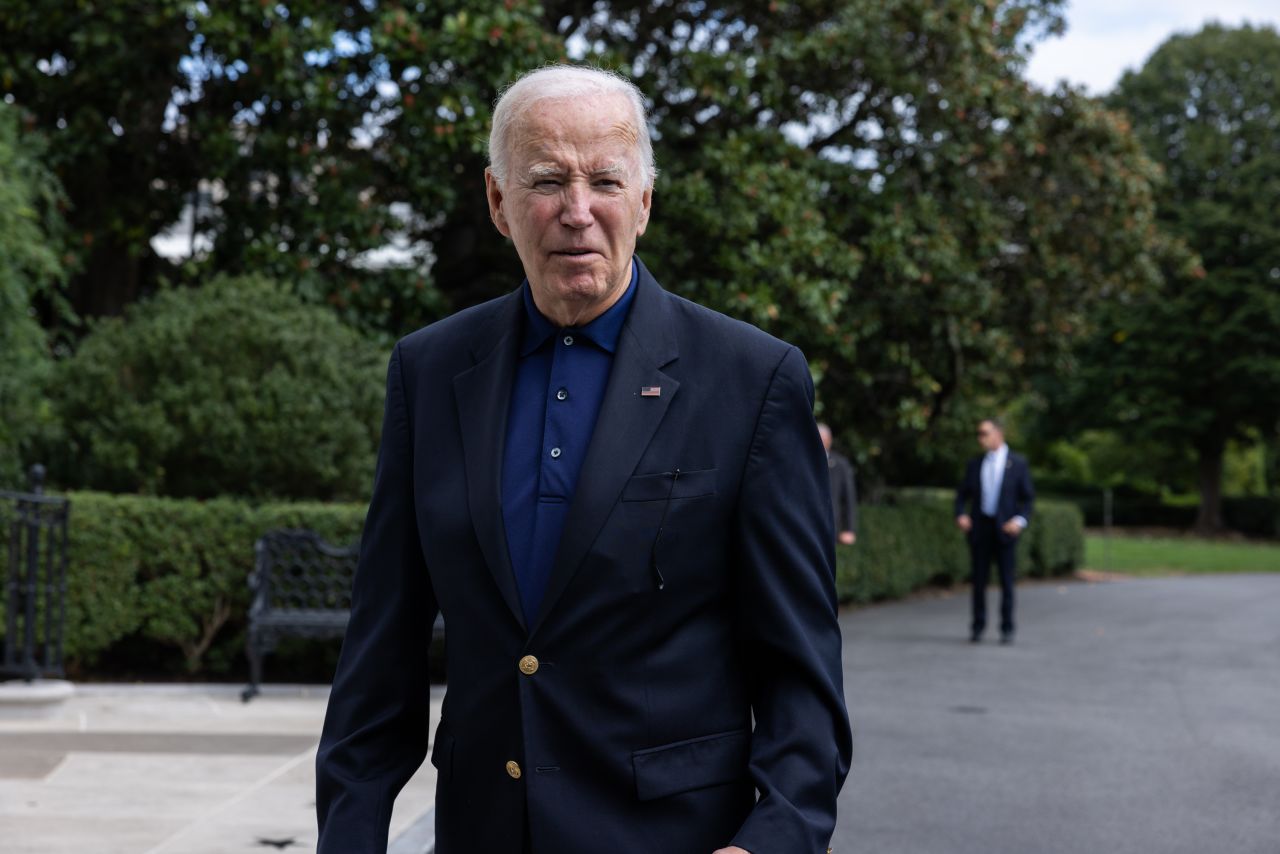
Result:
[[568, 313]]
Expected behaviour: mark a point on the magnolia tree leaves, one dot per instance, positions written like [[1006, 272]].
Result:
[[874, 181]]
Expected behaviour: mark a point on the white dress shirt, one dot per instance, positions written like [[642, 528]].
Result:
[[992, 478]]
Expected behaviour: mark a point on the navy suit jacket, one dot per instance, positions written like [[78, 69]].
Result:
[[655, 653], [1017, 495]]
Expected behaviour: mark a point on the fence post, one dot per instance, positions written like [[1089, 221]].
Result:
[[33, 635], [1106, 529]]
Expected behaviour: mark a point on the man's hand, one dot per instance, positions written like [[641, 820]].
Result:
[[732, 849], [963, 522], [1012, 528], [848, 538]]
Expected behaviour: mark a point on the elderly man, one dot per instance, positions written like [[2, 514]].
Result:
[[619, 502]]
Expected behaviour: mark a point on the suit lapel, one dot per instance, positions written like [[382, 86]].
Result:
[[1006, 479], [483, 393], [623, 430]]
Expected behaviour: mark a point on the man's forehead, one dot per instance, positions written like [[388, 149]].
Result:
[[602, 158], [601, 119]]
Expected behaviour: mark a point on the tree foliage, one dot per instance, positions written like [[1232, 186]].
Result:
[[311, 134], [235, 388], [1196, 363], [874, 181], [879, 184], [30, 238]]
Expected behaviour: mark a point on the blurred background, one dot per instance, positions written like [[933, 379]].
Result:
[[216, 218]]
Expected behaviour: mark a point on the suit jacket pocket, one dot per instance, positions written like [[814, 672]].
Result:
[[442, 752], [658, 486], [695, 763]]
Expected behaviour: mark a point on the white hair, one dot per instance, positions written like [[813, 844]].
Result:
[[557, 82]]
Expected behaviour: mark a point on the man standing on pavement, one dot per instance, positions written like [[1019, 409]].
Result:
[[619, 502], [997, 486], [844, 494]]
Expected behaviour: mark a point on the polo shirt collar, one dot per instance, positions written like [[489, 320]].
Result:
[[604, 331]]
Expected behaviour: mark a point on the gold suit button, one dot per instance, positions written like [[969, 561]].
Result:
[[528, 665], [513, 769]]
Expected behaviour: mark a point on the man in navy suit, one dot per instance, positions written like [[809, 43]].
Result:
[[844, 494], [619, 502], [997, 486]]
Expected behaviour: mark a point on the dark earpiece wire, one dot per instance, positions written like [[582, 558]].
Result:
[[658, 581]]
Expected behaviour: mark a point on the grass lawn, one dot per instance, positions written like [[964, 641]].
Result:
[[1146, 555]]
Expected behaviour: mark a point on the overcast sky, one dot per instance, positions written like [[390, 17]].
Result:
[[1106, 37]]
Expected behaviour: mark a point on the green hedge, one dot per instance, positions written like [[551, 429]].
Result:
[[914, 542], [167, 578], [1253, 515], [158, 585]]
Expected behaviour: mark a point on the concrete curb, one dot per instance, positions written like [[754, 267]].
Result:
[[40, 698]]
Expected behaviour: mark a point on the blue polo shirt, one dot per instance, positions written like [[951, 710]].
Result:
[[559, 384]]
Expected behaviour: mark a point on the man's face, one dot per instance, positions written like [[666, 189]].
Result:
[[989, 436], [574, 201]]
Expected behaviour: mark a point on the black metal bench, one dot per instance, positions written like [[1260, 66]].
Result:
[[302, 588]]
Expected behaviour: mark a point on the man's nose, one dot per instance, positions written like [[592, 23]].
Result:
[[575, 212]]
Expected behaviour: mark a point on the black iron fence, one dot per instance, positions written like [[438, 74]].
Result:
[[35, 588]]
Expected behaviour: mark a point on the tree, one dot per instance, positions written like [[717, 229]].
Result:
[[878, 183], [308, 134], [873, 180], [1198, 363], [30, 264]]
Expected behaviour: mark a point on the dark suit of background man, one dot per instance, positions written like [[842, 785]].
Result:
[[997, 486], [844, 494], [619, 502]]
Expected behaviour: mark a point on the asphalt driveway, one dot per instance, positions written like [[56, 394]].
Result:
[[1131, 716]]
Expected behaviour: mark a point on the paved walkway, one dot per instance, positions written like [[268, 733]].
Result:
[[152, 769], [1134, 716]]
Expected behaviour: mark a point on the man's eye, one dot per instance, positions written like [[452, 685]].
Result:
[[546, 182]]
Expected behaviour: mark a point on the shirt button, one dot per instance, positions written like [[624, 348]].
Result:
[[555, 453], [562, 394], [529, 665], [568, 340], [513, 770]]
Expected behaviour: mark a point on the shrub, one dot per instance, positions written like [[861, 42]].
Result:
[[30, 230], [163, 574], [914, 543], [1256, 516], [1055, 542], [25, 370], [234, 388], [1253, 515], [159, 585]]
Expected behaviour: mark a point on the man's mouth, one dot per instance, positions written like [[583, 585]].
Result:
[[574, 253]]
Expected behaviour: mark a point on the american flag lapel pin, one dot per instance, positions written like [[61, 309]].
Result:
[[651, 391]]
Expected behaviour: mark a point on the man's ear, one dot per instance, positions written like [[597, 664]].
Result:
[[646, 201], [493, 191]]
